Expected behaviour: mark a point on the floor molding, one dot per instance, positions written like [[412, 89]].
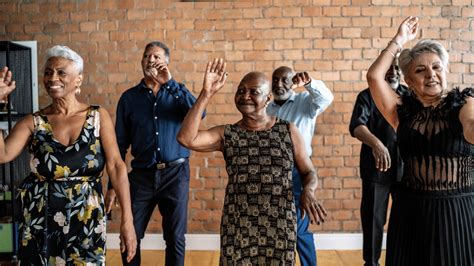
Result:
[[212, 241]]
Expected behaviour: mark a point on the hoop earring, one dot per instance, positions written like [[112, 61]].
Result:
[[78, 91]]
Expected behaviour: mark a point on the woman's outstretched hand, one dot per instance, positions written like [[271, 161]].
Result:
[[7, 85], [407, 30], [215, 76]]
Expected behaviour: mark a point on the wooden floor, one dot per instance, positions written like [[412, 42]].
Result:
[[211, 258]]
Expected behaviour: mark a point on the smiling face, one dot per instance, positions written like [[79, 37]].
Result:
[[61, 77], [152, 56], [253, 93], [282, 83], [427, 77]]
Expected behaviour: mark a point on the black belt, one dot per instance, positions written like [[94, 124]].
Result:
[[160, 166]]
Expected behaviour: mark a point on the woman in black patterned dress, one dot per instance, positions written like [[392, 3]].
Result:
[[70, 142], [432, 216], [258, 224]]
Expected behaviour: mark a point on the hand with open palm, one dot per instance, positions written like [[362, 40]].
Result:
[[407, 30], [215, 76], [7, 85]]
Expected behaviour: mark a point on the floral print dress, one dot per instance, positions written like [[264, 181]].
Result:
[[63, 215]]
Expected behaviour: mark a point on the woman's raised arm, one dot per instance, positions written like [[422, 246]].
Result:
[[190, 136], [385, 98]]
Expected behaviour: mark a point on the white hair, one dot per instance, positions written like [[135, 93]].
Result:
[[67, 53], [423, 46]]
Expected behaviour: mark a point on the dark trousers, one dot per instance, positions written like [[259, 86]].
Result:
[[168, 188], [304, 238], [373, 212]]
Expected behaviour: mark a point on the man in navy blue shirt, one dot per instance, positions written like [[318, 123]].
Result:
[[149, 117], [379, 165]]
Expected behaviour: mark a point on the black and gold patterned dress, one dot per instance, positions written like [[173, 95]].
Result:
[[432, 216], [258, 224], [63, 216]]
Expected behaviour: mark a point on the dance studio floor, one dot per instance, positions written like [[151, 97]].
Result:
[[211, 258]]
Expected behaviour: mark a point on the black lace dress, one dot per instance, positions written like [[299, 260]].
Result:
[[432, 216], [258, 224]]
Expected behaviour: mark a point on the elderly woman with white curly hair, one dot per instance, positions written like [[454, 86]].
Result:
[[432, 216], [70, 142]]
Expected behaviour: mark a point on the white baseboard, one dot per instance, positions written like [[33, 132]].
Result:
[[212, 241]]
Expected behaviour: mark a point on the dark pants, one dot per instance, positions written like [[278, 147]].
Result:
[[168, 188], [304, 238], [373, 212]]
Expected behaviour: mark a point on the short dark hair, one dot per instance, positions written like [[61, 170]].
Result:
[[162, 46]]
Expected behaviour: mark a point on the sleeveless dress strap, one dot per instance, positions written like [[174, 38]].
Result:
[[38, 120], [95, 116]]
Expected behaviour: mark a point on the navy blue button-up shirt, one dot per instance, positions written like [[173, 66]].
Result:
[[150, 123]]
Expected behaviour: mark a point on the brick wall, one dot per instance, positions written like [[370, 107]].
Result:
[[334, 40]]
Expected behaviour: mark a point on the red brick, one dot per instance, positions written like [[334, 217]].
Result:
[[252, 13], [341, 215], [351, 204], [203, 194], [31, 7], [302, 22], [351, 226], [352, 11], [332, 11], [262, 45], [311, 11], [331, 225], [352, 183], [107, 4], [14, 28], [345, 171], [332, 183], [9, 7], [292, 12]]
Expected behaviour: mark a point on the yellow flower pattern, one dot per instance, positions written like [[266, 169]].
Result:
[[61, 171]]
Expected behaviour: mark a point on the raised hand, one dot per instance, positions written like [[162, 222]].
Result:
[[160, 72], [215, 76], [407, 30], [300, 79], [310, 206], [7, 85]]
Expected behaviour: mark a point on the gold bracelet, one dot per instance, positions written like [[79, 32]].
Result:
[[386, 50], [400, 48]]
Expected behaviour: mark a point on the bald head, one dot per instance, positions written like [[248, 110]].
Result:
[[284, 71], [253, 93], [257, 79]]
